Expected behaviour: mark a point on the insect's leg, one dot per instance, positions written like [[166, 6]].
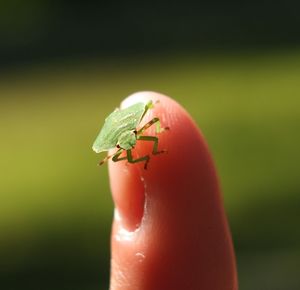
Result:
[[144, 158], [117, 154], [109, 156], [158, 128], [155, 140]]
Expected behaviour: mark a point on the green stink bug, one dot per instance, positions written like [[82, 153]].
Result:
[[120, 131]]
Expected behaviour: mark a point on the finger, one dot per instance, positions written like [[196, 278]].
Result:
[[169, 230]]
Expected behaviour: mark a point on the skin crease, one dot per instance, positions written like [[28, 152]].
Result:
[[169, 229]]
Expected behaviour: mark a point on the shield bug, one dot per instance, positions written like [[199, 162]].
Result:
[[120, 131]]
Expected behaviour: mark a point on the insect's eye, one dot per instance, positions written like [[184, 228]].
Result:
[[135, 132], [118, 146]]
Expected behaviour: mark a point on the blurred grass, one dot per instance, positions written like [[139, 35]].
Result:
[[56, 209]]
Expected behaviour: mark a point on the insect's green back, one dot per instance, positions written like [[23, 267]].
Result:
[[116, 123]]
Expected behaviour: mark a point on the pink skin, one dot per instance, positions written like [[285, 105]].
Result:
[[170, 231]]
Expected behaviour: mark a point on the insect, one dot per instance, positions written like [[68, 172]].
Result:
[[120, 131]]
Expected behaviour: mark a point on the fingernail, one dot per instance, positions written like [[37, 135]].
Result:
[[128, 194]]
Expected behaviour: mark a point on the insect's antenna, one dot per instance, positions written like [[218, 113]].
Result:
[[106, 159], [148, 106]]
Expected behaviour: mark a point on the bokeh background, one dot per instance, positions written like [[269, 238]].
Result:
[[235, 66]]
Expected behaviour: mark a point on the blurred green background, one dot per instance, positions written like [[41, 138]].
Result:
[[64, 66]]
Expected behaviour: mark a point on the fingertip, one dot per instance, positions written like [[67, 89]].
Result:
[[186, 158]]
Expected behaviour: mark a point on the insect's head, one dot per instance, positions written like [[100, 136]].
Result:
[[127, 140]]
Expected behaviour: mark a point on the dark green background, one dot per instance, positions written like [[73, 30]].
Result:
[[64, 66]]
